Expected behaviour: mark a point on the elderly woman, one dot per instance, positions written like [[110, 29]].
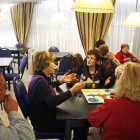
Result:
[[91, 72], [42, 96], [120, 117], [124, 56], [107, 62]]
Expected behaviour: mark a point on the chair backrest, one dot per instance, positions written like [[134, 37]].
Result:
[[4, 52], [53, 49], [21, 96], [64, 65], [19, 45], [23, 64]]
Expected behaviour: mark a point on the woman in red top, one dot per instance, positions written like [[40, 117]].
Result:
[[120, 117], [124, 56]]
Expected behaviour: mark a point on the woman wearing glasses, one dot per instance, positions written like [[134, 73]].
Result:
[[91, 72]]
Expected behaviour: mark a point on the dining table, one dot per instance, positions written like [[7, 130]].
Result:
[[4, 63], [19, 51], [74, 110]]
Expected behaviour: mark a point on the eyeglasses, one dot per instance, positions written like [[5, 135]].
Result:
[[91, 58]]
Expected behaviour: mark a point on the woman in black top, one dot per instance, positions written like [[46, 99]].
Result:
[[42, 97], [91, 72]]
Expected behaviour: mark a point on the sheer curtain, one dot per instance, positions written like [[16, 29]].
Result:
[[7, 34], [43, 34], [118, 33]]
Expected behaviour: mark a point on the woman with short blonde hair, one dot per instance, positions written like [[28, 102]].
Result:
[[42, 96], [120, 117], [43, 59]]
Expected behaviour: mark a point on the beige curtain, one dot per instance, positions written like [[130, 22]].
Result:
[[21, 15], [92, 27], [32, 66]]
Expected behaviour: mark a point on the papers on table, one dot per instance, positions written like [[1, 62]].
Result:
[[96, 95]]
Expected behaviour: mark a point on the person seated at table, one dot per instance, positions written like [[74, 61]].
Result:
[[99, 43], [120, 117], [76, 60], [111, 55], [124, 56], [19, 128], [108, 63], [43, 99], [91, 72]]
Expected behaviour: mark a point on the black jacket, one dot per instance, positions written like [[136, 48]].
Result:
[[43, 104], [101, 74]]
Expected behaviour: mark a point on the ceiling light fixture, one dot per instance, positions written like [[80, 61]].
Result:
[[133, 20], [58, 18], [93, 6]]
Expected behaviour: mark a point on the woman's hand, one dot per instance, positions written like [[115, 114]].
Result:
[[112, 95], [134, 59], [127, 59], [68, 78], [77, 87], [107, 81]]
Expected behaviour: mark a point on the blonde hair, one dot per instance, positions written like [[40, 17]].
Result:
[[42, 60], [128, 81], [103, 49]]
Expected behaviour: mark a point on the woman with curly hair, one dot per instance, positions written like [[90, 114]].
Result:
[[91, 72]]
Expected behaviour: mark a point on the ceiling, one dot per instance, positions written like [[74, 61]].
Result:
[[18, 1]]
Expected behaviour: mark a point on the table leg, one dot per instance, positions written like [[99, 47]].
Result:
[[8, 68], [27, 58], [18, 61], [68, 130]]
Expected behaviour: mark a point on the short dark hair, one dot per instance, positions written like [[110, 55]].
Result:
[[94, 52], [124, 45], [99, 42], [104, 49]]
